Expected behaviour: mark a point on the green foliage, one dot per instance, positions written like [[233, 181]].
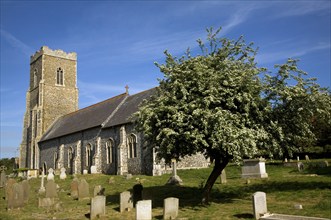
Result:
[[217, 104], [9, 163]]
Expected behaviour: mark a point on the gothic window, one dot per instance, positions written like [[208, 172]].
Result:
[[88, 160], [59, 76], [110, 151], [70, 157], [55, 160], [132, 146], [35, 78]]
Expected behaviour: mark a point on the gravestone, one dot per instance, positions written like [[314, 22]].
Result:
[[51, 189], [32, 174], [254, 168], [144, 210], [83, 190], [9, 187], [94, 169], [85, 171], [307, 157], [300, 166], [15, 196], [74, 188], [63, 174], [26, 190], [98, 191], [137, 193], [50, 175], [46, 202], [126, 203], [259, 200], [170, 208], [98, 207], [298, 158], [3, 177], [285, 160], [42, 187], [223, 177], [174, 179]]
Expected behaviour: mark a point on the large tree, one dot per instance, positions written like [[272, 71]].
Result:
[[215, 104]]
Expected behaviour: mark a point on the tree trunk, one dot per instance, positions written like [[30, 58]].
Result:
[[218, 167]]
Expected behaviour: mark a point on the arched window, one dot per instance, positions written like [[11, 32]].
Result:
[[55, 160], [70, 157], [109, 151], [132, 146], [35, 78], [88, 160], [59, 76]]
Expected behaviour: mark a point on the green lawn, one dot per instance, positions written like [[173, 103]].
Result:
[[285, 187]]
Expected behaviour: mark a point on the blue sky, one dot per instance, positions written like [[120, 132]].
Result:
[[117, 43]]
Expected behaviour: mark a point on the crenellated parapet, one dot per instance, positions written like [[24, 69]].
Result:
[[57, 53]]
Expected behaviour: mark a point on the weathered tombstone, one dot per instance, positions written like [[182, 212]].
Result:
[[300, 166], [259, 200], [9, 186], [3, 177], [285, 160], [254, 168], [174, 179], [85, 171], [83, 190], [128, 176], [307, 157], [126, 203], [94, 169], [98, 207], [50, 175], [63, 174], [298, 158], [74, 188], [15, 197], [223, 177], [137, 193], [144, 210], [26, 190], [46, 202], [170, 208], [51, 189], [98, 191], [32, 174], [42, 187]]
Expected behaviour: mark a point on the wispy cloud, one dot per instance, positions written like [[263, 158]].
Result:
[[271, 57], [303, 8], [16, 43]]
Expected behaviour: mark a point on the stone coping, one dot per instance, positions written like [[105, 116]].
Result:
[[289, 217]]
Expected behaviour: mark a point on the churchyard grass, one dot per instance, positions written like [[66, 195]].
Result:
[[284, 188]]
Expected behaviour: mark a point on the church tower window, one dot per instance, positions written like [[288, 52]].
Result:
[[59, 76], [35, 79], [132, 146]]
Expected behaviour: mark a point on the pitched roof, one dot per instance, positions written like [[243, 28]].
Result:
[[111, 112], [129, 106], [83, 119]]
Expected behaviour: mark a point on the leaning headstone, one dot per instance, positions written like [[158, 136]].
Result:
[[42, 187], [254, 168], [9, 187], [74, 188], [51, 189], [144, 210], [259, 200], [307, 157], [223, 177], [50, 175], [63, 174], [83, 190], [174, 179], [26, 190], [170, 208], [137, 193], [98, 191], [126, 203], [98, 207], [3, 177], [15, 197]]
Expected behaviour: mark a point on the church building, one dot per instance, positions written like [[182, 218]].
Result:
[[97, 139]]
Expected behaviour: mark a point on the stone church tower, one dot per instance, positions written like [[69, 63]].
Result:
[[52, 93]]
